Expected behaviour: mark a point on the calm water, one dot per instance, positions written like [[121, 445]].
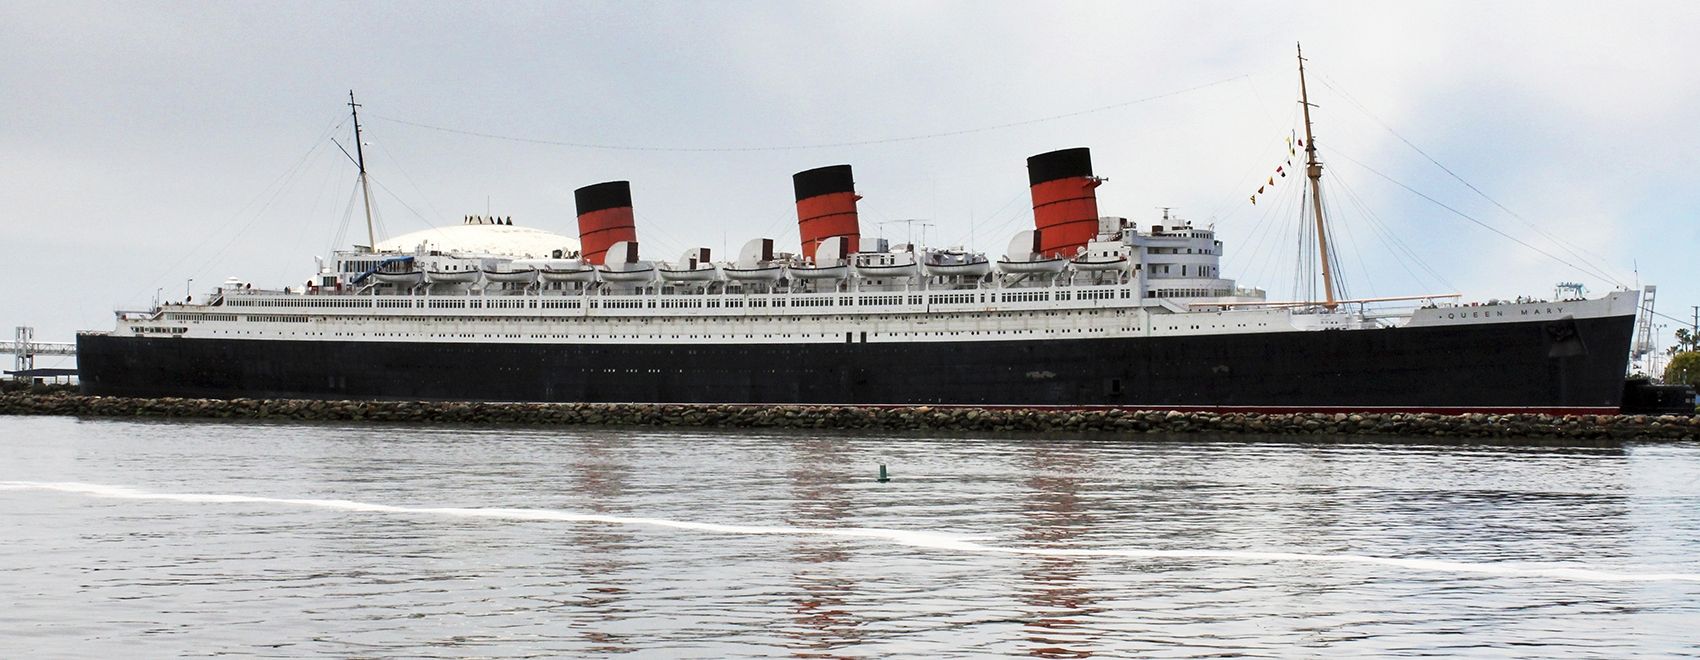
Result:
[[136, 539]]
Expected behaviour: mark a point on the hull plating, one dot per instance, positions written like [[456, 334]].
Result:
[[1557, 366]]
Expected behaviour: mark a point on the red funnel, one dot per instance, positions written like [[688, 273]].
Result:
[[1065, 200], [604, 218], [826, 207]]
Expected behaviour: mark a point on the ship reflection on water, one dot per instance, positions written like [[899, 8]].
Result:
[[824, 624], [600, 594], [396, 541], [1052, 586]]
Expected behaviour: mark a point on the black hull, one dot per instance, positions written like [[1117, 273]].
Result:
[[1557, 366]]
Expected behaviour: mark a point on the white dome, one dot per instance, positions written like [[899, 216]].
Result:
[[481, 239]]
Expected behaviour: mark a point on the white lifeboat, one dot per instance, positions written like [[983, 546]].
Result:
[[622, 264], [897, 263], [1053, 265], [568, 274], [1088, 264], [956, 264], [693, 266], [1026, 259], [755, 263], [706, 273], [830, 261], [757, 274], [640, 272], [451, 276], [802, 272], [525, 276], [404, 278]]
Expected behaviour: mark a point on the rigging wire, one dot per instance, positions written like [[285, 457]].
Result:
[[1389, 239], [396, 162], [347, 219], [1304, 277], [275, 189], [1267, 240], [402, 202], [823, 145], [257, 215], [1231, 201], [1579, 253], [981, 229], [1357, 253], [1338, 270], [324, 190], [1477, 222]]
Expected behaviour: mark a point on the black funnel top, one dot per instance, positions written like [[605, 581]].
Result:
[[823, 181], [609, 195], [1060, 164]]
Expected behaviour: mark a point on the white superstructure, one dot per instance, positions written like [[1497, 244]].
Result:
[[1161, 281]]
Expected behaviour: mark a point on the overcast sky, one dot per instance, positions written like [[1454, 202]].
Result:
[[142, 144]]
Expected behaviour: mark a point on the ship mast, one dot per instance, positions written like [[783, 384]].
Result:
[[360, 159], [1313, 170]]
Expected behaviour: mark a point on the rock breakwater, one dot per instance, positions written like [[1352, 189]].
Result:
[[1518, 426]]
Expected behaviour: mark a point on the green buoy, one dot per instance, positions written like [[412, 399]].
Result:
[[883, 476]]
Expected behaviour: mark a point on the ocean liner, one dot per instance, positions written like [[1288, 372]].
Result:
[[1081, 311]]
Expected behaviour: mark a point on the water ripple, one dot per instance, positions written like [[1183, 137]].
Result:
[[293, 540]]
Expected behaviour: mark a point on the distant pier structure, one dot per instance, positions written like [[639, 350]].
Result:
[[24, 348]]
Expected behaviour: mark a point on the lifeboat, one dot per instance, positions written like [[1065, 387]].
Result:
[[526, 276], [957, 264], [831, 260], [838, 272], [693, 266], [903, 265], [1090, 265], [642, 273], [404, 278], [1052, 265], [703, 273], [570, 274], [755, 274], [756, 263], [451, 277]]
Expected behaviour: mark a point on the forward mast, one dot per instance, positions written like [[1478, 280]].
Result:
[[1313, 170]]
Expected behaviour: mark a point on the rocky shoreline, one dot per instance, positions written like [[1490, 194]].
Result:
[[1484, 426]]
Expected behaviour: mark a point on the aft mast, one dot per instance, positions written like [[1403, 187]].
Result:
[[1313, 169], [360, 159]]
